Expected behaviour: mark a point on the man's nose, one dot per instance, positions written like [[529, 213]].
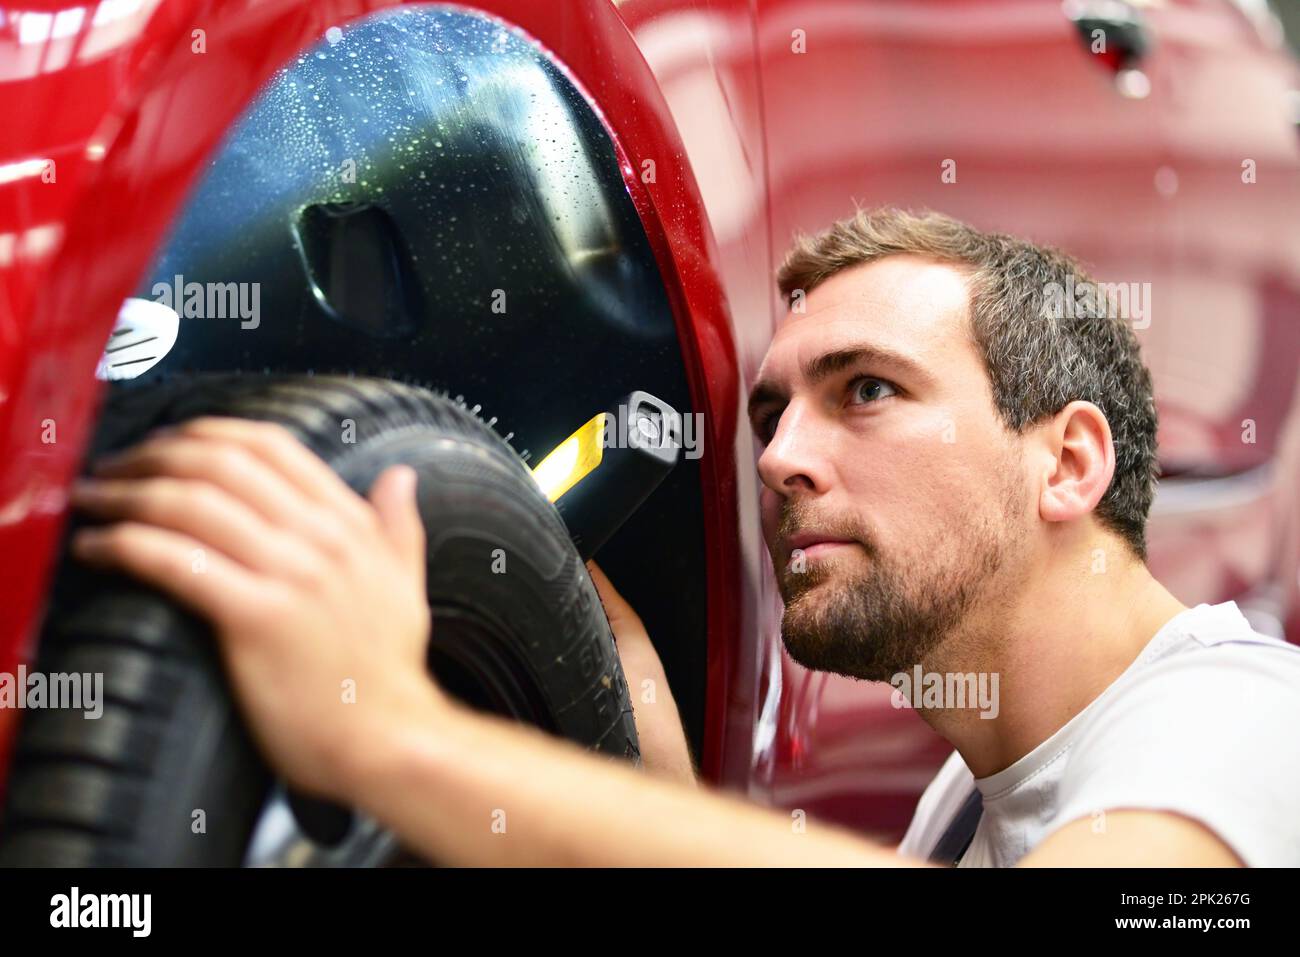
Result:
[[793, 460]]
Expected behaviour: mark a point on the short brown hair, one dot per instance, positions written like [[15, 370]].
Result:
[[1038, 361]]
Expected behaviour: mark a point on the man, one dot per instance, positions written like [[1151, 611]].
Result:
[[956, 476]]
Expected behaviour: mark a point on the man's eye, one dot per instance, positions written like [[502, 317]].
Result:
[[866, 389], [767, 426]]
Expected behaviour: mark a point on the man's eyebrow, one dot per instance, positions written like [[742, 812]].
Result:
[[767, 392], [828, 363]]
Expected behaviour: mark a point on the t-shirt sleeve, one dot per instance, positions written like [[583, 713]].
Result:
[[1213, 735]]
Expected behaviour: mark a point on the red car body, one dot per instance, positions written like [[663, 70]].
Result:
[[763, 118]]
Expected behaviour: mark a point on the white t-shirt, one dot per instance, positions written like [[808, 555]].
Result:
[[1205, 722]]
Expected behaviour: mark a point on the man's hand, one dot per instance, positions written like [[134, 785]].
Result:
[[317, 597], [658, 725]]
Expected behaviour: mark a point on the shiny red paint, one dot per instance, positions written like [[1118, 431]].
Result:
[[752, 141], [128, 131]]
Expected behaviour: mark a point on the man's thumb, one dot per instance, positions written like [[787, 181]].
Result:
[[618, 611], [393, 497]]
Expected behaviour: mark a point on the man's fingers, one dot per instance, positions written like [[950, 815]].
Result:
[[197, 576], [393, 496], [623, 620], [280, 448], [200, 511], [228, 466], [609, 596]]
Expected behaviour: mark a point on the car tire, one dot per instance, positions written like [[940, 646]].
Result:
[[168, 775]]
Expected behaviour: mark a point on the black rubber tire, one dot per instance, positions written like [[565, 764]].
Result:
[[532, 642]]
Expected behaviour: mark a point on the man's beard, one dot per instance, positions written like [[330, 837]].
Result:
[[877, 618]]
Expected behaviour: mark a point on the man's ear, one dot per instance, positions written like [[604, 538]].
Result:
[[1080, 461]]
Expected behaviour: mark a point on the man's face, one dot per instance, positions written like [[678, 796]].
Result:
[[894, 498]]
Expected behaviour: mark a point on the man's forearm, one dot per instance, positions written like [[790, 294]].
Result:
[[471, 789]]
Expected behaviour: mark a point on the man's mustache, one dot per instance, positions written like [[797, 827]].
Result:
[[799, 516]]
